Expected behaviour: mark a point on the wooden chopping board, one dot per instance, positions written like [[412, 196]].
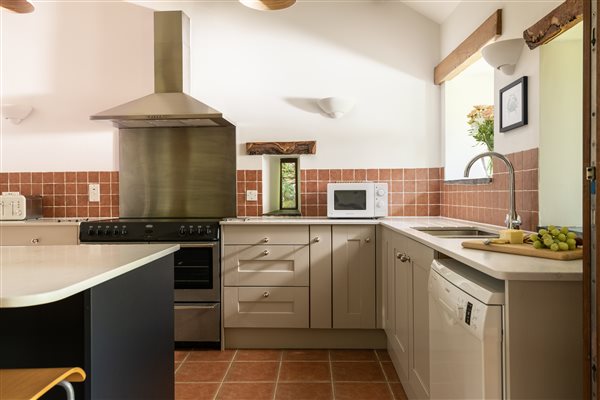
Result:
[[524, 250]]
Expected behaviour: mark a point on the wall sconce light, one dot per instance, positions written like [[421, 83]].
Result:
[[336, 107], [268, 5], [504, 54], [16, 112]]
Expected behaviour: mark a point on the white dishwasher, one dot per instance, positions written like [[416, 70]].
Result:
[[465, 333]]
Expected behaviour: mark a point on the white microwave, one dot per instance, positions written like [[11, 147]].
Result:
[[357, 200]]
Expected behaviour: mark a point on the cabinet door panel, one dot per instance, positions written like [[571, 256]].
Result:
[[320, 276], [38, 235], [402, 308], [354, 276], [419, 374]]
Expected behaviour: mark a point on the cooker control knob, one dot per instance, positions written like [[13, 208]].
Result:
[[191, 229], [208, 230], [115, 230], [107, 230], [181, 230], [123, 230], [98, 230], [380, 192], [91, 231], [200, 230]]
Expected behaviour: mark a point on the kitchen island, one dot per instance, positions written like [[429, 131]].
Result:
[[107, 309]]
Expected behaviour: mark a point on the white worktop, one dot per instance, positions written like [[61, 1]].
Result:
[[498, 265], [33, 275], [49, 221]]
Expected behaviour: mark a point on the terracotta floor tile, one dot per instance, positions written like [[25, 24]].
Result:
[[252, 371], [398, 391], [303, 371], [353, 355], [180, 355], [258, 355], [201, 371], [211, 355], [246, 391], [357, 372], [390, 371], [383, 355], [362, 391], [304, 391], [306, 355], [196, 391]]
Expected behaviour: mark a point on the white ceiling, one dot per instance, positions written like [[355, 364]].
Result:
[[436, 10]]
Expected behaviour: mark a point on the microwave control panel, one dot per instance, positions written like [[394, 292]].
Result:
[[381, 200]]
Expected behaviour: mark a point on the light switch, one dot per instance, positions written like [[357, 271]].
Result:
[[94, 192], [251, 195]]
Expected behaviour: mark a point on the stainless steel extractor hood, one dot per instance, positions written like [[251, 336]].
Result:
[[169, 105]]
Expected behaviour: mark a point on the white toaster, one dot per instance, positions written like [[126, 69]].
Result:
[[16, 207]]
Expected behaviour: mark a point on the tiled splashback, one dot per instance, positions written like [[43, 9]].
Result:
[[419, 192], [412, 192], [65, 194], [488, 203]]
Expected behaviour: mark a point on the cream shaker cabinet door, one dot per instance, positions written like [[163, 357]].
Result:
[[402, 299], [353, 276], [266, 307], [36, 235], [320, 276], [279, 265]]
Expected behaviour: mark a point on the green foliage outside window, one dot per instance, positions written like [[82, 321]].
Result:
[[289, 184]]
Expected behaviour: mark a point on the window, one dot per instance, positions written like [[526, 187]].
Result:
[[288, 184]]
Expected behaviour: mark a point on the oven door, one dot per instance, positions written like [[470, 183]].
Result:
[[197, 273]]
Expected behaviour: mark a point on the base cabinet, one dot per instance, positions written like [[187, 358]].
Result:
[[405, 266], [299, 276]]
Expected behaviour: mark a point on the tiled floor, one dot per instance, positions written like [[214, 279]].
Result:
[[286, 374]]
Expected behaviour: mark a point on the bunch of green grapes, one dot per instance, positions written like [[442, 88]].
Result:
[[554, 239]]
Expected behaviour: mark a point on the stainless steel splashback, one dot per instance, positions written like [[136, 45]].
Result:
[[177, 172]]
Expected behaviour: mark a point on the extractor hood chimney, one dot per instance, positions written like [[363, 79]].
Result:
[[169, 105]]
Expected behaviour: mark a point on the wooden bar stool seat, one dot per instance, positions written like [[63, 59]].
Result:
[[32, 383]]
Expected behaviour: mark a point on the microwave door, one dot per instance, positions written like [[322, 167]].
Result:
[[350, 200]]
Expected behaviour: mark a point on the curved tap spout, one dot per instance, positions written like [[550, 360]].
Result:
[[513, 221]]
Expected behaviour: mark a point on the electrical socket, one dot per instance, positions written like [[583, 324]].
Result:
[[251, 195], [94, 192]]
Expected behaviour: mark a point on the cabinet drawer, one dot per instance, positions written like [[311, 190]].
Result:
[[266, 265], [38, 235], [265, 234], [266, 307]]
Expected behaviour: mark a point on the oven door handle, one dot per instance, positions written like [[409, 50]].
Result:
[[210, 306], [198, 245]]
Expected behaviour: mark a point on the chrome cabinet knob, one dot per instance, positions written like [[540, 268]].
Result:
[[368, 240], [266, 240], [404, 257], [266, 294], [35, 241], [317, 239], [266, 253]]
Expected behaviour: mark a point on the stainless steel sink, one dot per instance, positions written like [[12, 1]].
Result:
[[457, 232]]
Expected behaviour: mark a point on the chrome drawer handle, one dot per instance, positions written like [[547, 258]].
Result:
[[402, 257], [266, 253], [35, 241], [266, 240], [266, 294]]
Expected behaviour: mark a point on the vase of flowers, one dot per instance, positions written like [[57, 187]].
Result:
[[481, 128]]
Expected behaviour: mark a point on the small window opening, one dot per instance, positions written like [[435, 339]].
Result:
[[288, 184]]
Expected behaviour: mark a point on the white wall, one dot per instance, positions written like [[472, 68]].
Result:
[[561, 142], [68, 61], [516, 17], [263, 70]]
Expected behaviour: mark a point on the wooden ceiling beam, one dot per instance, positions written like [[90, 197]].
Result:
[[469, 50], [557, 21]]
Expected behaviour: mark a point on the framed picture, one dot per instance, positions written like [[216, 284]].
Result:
[[513, 105]]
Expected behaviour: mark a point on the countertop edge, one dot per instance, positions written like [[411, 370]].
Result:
[[62, 293]]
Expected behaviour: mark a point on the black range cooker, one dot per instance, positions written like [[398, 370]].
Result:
[[196, 267]]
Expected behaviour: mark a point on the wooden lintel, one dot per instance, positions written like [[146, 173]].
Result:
[[557, 21], [469, 50], [259, 148]]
